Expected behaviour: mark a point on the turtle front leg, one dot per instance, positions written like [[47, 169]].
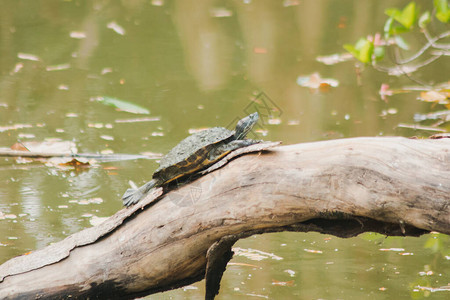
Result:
[[133, 196]]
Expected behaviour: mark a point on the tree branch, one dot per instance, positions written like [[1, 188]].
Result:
[[395, 186]]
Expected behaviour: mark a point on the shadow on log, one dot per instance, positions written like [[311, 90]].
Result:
[[394, 186]]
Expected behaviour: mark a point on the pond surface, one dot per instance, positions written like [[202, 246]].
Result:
[[193, 65]]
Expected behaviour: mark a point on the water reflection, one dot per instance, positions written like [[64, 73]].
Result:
[[207, 47], [193, 64]]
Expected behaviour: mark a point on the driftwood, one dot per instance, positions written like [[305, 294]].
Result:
[[41, 154], [395, 186]]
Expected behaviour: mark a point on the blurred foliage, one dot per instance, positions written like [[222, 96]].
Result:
[[370, 50]]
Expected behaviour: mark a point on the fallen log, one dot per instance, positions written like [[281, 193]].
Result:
[[394, 186]]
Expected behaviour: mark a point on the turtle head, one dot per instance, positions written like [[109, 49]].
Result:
[[245, 125]]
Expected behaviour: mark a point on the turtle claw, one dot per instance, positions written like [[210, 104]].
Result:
[[128, 193], [132, 196]]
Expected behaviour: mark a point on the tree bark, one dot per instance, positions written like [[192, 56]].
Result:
[[395, 186]]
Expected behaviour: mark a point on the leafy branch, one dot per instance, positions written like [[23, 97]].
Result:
[[371, 50], [403, 24]]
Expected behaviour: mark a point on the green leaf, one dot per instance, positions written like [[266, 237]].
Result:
[[409, 15], [393, 13], [399, 41], [406, 17], [398, 29], [360, 44], [388, 28], [424, 19], [350, 48], [362, 50], [366, 52], [379, 53], [123, 105], [442, 10]]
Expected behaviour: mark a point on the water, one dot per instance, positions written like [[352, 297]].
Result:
[[196, 65]]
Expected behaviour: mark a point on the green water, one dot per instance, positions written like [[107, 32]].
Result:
[[197, 64]]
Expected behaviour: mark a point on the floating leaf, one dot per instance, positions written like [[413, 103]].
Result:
[[58, 67], [243, 265], [77, 163], [315, 81], [254, 254], [123, 105], [435, 96], [19, 147], [334, 58], [148, 119], [116, 27], [77, 34], [283, 283], [26, 135], [15, 127], [290, 272], [313, 251], [221, 12], [392, 249], [28, 56], [10, 216], [107, 137]]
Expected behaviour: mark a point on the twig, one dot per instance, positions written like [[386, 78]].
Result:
[[431, 42], [105, 157]]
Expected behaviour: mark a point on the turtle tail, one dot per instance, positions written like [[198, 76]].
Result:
[[133, 196]]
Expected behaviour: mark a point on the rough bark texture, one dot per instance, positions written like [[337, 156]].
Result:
[[395, 186]]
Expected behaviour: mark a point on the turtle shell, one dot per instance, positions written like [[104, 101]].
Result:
[[191, 154]]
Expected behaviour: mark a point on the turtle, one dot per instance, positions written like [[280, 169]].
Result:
[[195, 153]]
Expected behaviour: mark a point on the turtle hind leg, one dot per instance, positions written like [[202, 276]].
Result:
[[133, 196]]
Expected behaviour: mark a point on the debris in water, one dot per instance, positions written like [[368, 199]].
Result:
[[334, 58], [58, 67], [116, 27], [315, 81], [28, 56], [77, 34]]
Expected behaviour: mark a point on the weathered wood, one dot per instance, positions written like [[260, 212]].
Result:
[[344, 187], [100, 157]]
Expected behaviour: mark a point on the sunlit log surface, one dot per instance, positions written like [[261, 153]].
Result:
[[395, 186]]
